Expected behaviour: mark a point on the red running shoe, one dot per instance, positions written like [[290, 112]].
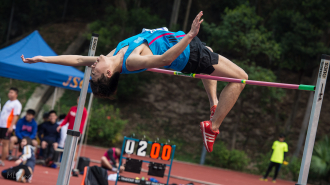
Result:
[[213, 111], [208, 135]]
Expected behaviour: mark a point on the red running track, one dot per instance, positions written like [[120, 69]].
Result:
[[45, 175]]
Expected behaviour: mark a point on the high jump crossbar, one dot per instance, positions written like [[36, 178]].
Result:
[[235, 80]]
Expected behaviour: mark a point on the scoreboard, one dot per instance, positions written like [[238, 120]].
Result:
[[149, 151], [154, 152]]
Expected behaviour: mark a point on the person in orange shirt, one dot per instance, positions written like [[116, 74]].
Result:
[[8, 118]]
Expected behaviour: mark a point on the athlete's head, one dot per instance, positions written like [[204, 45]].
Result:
[[118, 151], [29, 115], [13, 93], [105, 76], [52, 116], [281, 137], [25, 141]]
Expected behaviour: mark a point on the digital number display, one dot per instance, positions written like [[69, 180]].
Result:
[[156, 149]]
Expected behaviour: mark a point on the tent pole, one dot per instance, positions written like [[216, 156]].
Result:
[[85, 125], [314, 120], [54, 98], [73, 135]]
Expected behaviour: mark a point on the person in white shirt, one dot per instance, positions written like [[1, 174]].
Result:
[[8, 118], [64, 129]]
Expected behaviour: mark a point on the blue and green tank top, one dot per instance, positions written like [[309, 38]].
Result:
[[159, 41]]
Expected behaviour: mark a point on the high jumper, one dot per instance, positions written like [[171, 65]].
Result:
[[162, 48]]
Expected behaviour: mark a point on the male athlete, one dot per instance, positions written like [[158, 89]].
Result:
[[162, 48]]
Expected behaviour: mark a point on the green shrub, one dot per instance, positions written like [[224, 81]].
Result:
[[294, 167], [320, 164], [262, 162], [105, 126], [231, 159]]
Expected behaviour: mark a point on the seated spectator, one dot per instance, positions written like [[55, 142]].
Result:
[[110, 158], [25, 127], [49, 137], [64, 129], [45, 119], [25, 164]]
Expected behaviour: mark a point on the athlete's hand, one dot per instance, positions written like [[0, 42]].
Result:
[[196, 25], [32, 60], [58, 128], [285, 163], [10, 130], [18, 161]]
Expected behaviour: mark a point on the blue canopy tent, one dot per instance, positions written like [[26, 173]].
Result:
[[11, 65]]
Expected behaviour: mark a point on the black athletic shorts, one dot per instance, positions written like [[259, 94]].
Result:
[[201, 59], [4, 135]]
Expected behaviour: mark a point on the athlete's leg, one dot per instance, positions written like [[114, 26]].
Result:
[[230, 94], [277, 169], [5, 148], [35, 144], [271, 165], [211, 88], [105, 163], [13, 141]]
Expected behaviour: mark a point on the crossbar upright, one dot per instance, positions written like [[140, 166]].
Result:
[[73, 135], [314, 120]]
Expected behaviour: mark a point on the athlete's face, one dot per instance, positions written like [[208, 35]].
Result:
[[12, 95], [101, 66], [281, 139], [29, 117], [23, 142], [52, 117]]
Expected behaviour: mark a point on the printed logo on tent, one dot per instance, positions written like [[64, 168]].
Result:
[[73, 82]]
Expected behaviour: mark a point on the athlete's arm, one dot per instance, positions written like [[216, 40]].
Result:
[[67, 60], [13, 123], [136, 61]]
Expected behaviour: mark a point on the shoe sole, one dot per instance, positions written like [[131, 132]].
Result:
[[202, 128]]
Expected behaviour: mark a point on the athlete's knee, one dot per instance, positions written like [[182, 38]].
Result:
[[5, 143], [103, 159], [209, 48], [13, 139], [244, 75]]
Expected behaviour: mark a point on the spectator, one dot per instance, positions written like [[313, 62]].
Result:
[[110, 158], [70, 118], [26, 126], [45, 119], [64, 129], [25, 164], [8, 118], [50, 138], [280, 149]]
